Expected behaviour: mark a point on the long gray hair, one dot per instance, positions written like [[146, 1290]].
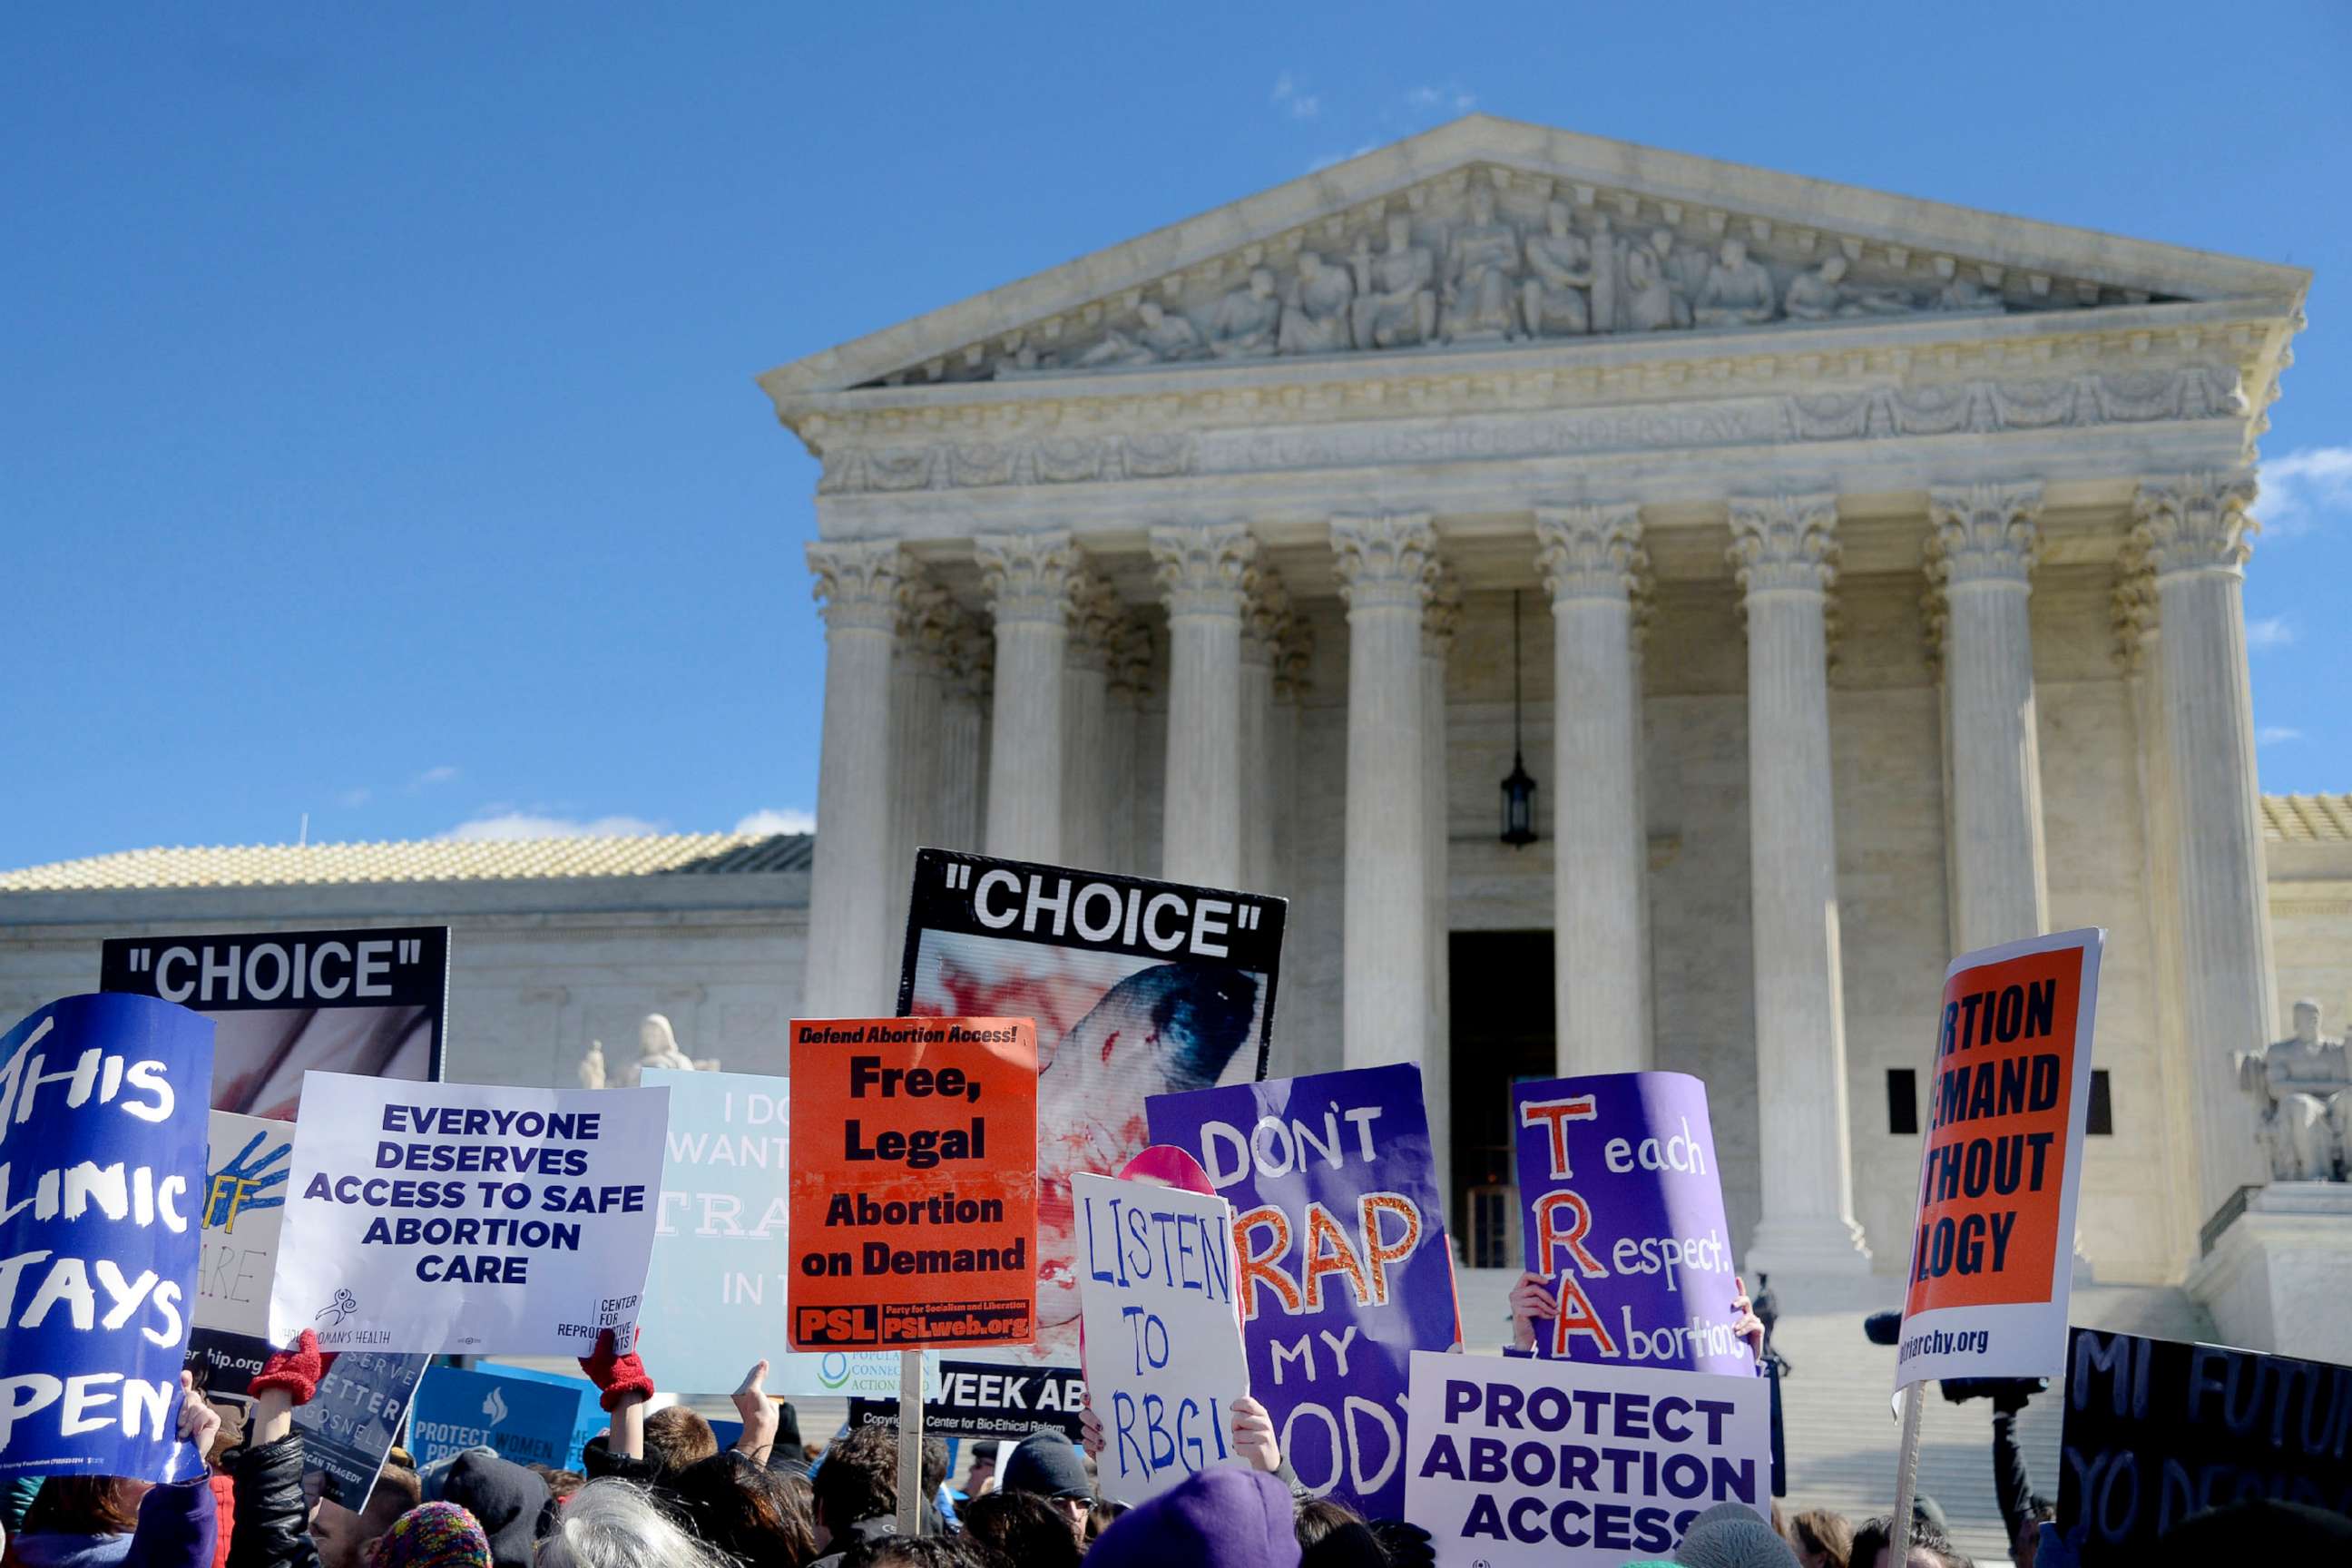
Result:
[[614, 1523]]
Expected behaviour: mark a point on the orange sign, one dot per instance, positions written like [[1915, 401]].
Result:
[[914, 1215]]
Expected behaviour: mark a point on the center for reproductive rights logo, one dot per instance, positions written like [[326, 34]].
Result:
[[495, 1407]]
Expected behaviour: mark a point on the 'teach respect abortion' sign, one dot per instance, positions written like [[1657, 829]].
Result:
[[101, 1204], [428, 1217]]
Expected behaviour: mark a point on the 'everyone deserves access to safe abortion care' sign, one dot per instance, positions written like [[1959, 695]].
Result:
[[1162, 1334], [2009, 1098], [465, 1218], [102, 1201]]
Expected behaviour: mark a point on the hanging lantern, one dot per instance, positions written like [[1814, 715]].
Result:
[[1519, 789]]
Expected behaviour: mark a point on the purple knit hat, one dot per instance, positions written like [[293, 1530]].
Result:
[[435, 1535]]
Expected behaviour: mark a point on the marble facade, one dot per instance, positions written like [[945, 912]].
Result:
[[1893, 557]]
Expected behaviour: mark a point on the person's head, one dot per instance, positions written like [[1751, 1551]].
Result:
[[1822, 1538], [1930, 1547], [562, 1484], [616, 1525], [748, 1511], [981, 1473], [1399, 231], [342, 1536], [85, 1505], [858, 1480], [1225, 1517], [655, 1037], [1482, 206], [1024, 1526], [1556, 217], [1049, 1465], [935, 1464], [1734, 252], [1732, 1535], [906, 1552], [2307, 1021], [1261, 282], [676, 1437], [1150, 313], [1332, 1535], [1833, 269], [511, 1504], [1318, 1517], [430, 1535]]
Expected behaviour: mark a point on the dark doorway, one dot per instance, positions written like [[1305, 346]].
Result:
[[1500, 1019]]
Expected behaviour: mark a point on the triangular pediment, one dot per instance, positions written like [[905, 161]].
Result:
[[1488, 232]]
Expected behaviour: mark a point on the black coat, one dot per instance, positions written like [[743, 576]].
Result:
[[272, 1529]]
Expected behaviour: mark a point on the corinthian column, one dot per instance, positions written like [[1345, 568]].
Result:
[[1981, 549], [1387, 573], [1591, 561], [1131, 679], [1206, 574], [1027, 579], [1264, 624], [1784, 553], [2196, 532], [1439, 624], [851, 967], [1085, 724], [969, 653], [917, 709]]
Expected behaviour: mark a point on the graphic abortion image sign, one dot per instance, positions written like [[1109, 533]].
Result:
[[431, 1218], [372, 1001], [1992, 1252], [1138, 988]]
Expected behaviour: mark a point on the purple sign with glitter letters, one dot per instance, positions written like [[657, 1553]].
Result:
[[1622, 1211], [1341, 1259]]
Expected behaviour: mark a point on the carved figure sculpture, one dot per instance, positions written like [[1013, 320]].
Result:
[[1649, 303], [1608, 276], [1480, 264], [1965, 293], [1163, 336], [1818, 295], [592, 1066], [1315, 315], [1396, 298], [1738, 291], [656, 1048], [1686, 268], [1560, 270], [1244, 322], [2303, 1086]]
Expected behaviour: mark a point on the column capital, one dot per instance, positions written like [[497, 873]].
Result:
[[1027, 576], [1130, 658], [1441, 618], [2195, 523], [927, 621], [1292, 657], [1095, 615], [1265, 619], [857, 583], [1387, 561], [2131, 608], [1987, 534], [1204, 571], [1784, 543], [1591, 551]]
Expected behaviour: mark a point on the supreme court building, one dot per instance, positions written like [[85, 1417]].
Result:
[[1859, 576]]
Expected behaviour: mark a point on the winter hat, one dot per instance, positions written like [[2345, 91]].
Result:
[[1048, 1463], [510, 1503], [431, 1535], [1732, 1535], [1225, 1517]]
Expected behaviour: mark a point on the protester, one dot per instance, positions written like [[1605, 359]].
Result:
[[513, 1506], [856, 1491], [1046, 1464], [1931, 1546], [1730, 1535], [910, 1552], [979, 1476], [97, 1521], [1822, 1538], [752, 1512], [431, 1535], [1333, 1535], [1024, 1526], [618, 1524], [1225, 1517], [675, 1438]]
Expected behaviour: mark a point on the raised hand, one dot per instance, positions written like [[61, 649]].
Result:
[[758, 1414], [199, 1422], [1531, 1302], [1254, 1437], [1745, 1323]]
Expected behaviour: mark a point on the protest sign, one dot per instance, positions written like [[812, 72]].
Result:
[[1622, 1213], [467, 1217], [1343, 1269], [350, 1423], [101, 1205], [245, 1169], [1518, 1462], [1138, 988], [845, 1375], [1992, 1252], [1162, 1331], [2158, 1430], [983, 1399], [720, 1272], [914, 1186], [371, 1002], [530, 1417]]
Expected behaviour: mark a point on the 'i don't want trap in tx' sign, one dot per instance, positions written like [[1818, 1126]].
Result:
[[914, 1197]]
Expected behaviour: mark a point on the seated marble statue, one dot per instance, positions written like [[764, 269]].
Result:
[[1480, 264], [1244, 320], [1738, 292], [1315, 315], [2303, 1085], [1560, 270], [1818, 295], [1648, 302], [1965, 293], [1163, 336], [656, 1048], [1396, 298], [1686, 268]]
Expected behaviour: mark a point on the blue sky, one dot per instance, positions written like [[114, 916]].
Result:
[[378, 441]]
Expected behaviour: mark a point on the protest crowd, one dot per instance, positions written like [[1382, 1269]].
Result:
[[1252, 1275]]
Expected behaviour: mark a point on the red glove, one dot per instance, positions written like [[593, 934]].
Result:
[[296, 1371], [620, 1376]]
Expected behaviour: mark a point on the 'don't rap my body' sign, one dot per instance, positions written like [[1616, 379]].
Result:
[[1992, 1252], [914, 1191], [430, 1217], [1342, 1266], [101, 1204], [1622, 1210]]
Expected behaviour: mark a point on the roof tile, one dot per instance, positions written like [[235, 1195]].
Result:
[[418, 860]]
